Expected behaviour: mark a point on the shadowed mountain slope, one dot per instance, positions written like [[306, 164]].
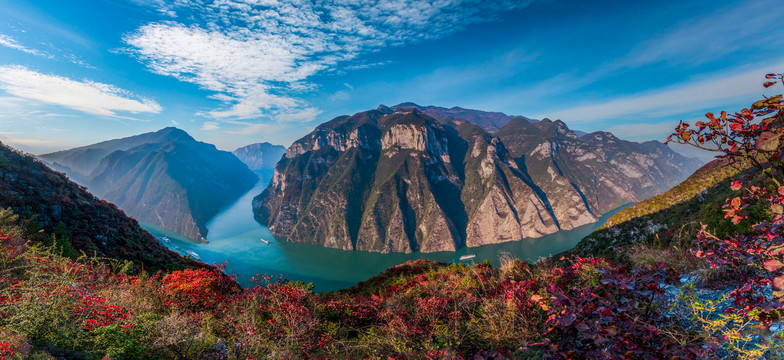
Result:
[[80, 221], [165, 178]]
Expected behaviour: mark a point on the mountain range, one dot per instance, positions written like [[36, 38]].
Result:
[[165, 178], [409, 178]]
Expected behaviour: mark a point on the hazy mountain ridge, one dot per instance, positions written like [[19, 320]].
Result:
[[489, 121], [400, 181], [165, 178], [260, 156]]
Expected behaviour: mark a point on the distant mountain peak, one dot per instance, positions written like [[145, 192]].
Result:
[[405, 105], [173, 134], [165, 177], [260, 156], [384, 109]]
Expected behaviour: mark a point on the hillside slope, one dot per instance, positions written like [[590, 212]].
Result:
[[165, 178], [64, 208], [672, 216]]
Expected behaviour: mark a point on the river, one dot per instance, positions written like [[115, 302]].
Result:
[[234, 239]]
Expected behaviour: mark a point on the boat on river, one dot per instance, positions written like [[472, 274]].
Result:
[[194, 255], [265, 241], [466, 257]]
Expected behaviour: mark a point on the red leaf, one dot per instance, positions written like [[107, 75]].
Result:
[[767, 141], [735, 203], [769, 84], [773, 265], [778, 283], [736, 185]]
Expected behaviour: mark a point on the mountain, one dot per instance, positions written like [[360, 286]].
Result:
[[260, 156], [604, 171], [672, 218], [165, 178], [402, 181], [80, 221]]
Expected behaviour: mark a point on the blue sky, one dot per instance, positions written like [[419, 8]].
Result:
[[235, 72]]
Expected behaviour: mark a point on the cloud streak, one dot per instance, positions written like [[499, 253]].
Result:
[[256, 54], [674, 99], [86, 96], [10, 42], [728, 29]]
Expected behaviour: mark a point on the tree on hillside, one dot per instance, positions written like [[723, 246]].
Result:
[[752, 136]]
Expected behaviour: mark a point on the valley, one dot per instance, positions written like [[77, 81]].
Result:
[[391, 179], [234, 239]]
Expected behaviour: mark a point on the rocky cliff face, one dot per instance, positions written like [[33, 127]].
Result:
[[402, 181], [165, 178]]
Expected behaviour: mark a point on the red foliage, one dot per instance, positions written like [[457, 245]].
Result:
[[197, 289], [602, 311], [94, 312], [6, 352], [752, 135]]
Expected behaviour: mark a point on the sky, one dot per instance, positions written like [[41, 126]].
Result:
[[236, 72]]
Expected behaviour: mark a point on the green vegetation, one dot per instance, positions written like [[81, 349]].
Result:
[[64, 216]]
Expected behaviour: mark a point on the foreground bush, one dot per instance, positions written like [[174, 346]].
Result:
[[87, 309]]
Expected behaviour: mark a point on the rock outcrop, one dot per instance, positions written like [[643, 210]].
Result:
[[399, 180]]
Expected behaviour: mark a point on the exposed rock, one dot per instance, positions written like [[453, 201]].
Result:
[[398, 180]]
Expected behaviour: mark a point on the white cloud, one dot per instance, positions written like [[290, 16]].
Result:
[[86, 96], [210, 126], [254, 53], [339, 95], [305, 115], [673, 100], [249, 130], [10, 42]]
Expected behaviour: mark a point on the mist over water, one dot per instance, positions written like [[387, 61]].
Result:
[[234, 239]]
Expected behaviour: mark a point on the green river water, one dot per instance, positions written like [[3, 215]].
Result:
[[234, 238]]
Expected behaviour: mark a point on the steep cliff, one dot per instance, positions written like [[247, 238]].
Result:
[[402, 181]]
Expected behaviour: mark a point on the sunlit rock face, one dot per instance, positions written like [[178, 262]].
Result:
[[400, 180]]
